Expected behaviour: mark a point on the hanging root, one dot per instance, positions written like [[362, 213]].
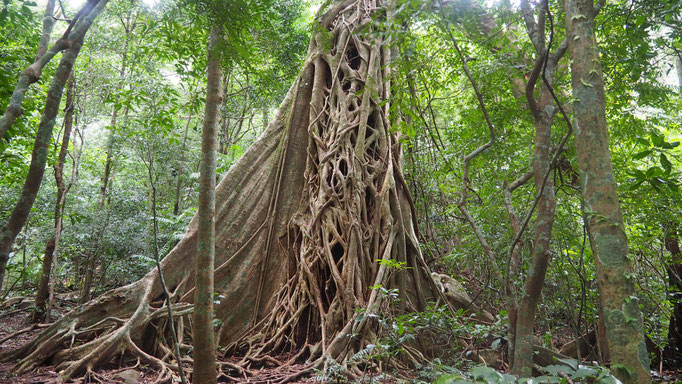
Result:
[[357, 218]]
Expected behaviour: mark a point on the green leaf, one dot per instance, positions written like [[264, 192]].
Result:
[[653, 172], [573, 363], [641, 155], [665, 163], [451, 379], [643, 142], [657, 139], [486, 373], [636, 185], [584, 372]]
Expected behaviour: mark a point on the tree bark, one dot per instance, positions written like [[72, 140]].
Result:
[[128, 26], [622, 316], [543, 111], [48, 24], [92, 259], [178, 184], [678, 66], [672, 354], [204, 334], [525, 321], [90, 265], [46, 277]]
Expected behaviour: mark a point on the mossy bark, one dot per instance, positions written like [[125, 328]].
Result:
[[622, 316]]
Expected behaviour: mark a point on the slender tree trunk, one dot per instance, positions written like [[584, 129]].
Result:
[[608, 241], [92, 259], [89, 278], [107, 164], [204, 335], [72, 36], [48, 24], [178, 185], [678, 65], [39, 156], [114, 117], [523, 359], [543, 110], [672, 353], [46, 277], [91, 263]]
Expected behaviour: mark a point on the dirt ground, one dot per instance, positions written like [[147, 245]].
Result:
[[122, 371], [129, 371]]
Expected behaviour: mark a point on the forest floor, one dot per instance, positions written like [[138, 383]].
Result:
[[128, 371], [122, 371]]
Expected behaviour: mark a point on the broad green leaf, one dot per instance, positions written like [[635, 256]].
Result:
[[641, 155]]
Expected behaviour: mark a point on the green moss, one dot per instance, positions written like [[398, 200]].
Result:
[[611, 249]]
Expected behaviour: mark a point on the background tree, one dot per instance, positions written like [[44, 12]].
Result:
[[203, 332], [608, 239]]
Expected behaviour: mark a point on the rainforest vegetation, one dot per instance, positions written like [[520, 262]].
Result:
[[416, 191]]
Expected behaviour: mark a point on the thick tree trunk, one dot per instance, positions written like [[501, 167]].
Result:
[[203, 332], [48, 257], [608, 241], [34, 178]]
